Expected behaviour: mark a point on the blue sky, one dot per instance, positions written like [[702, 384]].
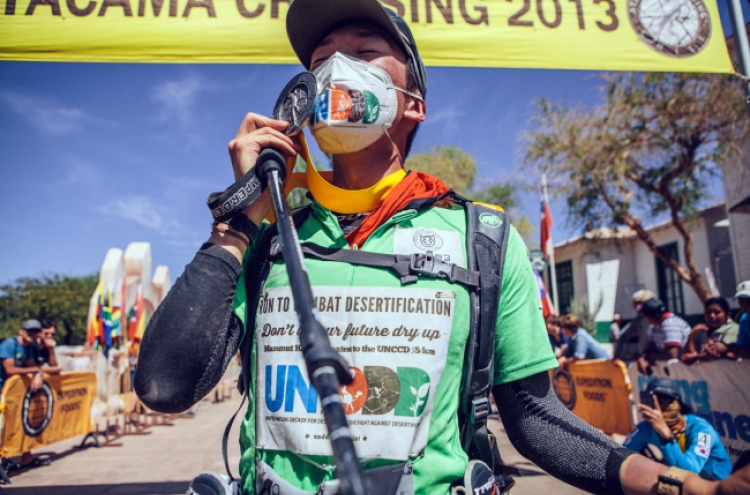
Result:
[[94, 156]]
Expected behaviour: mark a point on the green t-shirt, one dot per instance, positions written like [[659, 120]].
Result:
[[404, 343]]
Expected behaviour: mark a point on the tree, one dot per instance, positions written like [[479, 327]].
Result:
[[458, 170], [649, 150], [60, 298]]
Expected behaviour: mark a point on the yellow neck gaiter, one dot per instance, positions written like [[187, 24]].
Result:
[[346, 201]]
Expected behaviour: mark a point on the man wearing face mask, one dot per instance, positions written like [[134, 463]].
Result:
[[405, 337], [669, 434]]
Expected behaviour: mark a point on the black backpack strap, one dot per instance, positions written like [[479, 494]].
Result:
[[259, 266], [406, 267], [487, 241]]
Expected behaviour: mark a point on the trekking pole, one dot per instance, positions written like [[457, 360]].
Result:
[[325, 367]]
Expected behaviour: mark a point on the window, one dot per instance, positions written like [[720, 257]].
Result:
[[564, 273], [669, 284]]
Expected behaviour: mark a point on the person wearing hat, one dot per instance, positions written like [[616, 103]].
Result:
[[668, 337], [741, 347], [673, 436], [18, 359], [634, 337], [370, 101]]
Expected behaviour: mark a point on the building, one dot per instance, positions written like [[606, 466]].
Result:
[[736, 175], [607, 266]]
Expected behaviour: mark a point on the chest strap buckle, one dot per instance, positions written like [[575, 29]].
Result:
[[431, 265]]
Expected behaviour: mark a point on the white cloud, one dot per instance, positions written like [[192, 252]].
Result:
[[46, 115], [448, 115], [140, 209], [178, 98], [82, 172]]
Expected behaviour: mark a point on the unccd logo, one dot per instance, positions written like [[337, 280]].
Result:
[[375, 390]]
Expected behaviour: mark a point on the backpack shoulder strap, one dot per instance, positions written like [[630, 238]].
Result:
[[259, 265], [487, 235]]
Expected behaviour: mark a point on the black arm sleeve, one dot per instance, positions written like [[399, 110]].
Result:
[[193, 334], [544, 431]]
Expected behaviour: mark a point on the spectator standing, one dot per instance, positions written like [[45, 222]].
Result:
[[582, 345], [718, 327], [43, 349], [614, 329], [668, 338], [18, 359], [741, 348], [634, 337], [557, 338], [669, 434]]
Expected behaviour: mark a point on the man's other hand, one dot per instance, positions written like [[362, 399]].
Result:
[[655, 418], [256, 133], [37, 382]]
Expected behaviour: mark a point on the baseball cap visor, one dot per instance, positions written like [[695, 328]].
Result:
[[743, 290], [308, 22]]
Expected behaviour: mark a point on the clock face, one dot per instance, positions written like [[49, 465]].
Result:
[[679, 28]]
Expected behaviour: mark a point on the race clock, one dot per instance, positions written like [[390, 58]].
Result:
[[678, 28]]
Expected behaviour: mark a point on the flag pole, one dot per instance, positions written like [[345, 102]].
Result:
[[550, 250]]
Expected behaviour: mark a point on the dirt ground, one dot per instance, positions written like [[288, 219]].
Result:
[[166, 459]]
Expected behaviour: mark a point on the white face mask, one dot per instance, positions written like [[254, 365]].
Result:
[[355, 106]]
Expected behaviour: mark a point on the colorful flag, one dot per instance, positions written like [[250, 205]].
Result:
[[546, 228], [547, 307], [95, 329]]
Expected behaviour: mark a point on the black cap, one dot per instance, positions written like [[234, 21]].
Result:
[[32, 325], [653, 308], [308, 22], [666, 388]]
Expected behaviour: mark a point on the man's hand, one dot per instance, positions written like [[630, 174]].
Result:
[[255, 133], [716, 349], [49, 342], [654, 417], [37, 382]]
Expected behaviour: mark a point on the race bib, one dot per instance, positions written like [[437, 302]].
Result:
[[448, 244], [396, 343]]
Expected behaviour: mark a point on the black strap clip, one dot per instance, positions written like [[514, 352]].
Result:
[[480, 408], [431, 265]]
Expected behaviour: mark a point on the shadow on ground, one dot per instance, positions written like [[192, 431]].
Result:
[[164, 488]]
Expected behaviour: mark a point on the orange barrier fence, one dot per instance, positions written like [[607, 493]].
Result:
[[60, 409], [597, 391]]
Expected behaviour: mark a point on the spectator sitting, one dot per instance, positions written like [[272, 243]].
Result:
[[557, 338], [581, 346], [44, 348], [614, 329], [741, 348], [718, 327], [18, 359], [669, 434], [634, 337], [668, 337]]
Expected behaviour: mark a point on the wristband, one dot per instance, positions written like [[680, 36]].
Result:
[[670, 483], [235, 198], [217, 227]]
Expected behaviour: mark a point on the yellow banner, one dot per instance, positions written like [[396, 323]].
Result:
[[60, 409], [596, 391], [648, 35]]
